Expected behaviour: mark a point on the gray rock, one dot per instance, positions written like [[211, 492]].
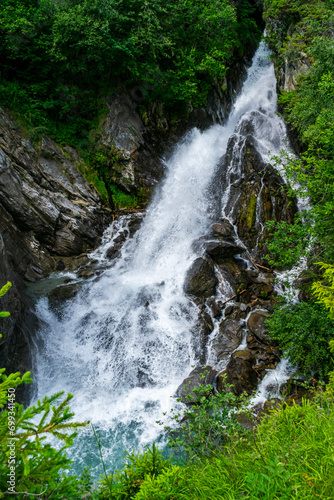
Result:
[[256, 324], [223, 228], [204, 375], [220, 250], [240, 372], [201, 280], [228, 339]]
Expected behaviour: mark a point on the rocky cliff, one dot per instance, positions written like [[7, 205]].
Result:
[[47, 211]]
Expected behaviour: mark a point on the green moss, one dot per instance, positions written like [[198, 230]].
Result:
[[251, 212], [122, 199]]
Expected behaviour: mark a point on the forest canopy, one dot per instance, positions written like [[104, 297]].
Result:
[[60, 57]]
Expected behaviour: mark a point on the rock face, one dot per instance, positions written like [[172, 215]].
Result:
[[257, 194], [45, 196], [201, 280], [47, 211], [221, 250]]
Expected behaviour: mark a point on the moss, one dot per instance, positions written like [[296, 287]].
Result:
[[122, 199], [251, 212]]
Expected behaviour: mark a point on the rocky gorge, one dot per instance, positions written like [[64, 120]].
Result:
[[51, 217]]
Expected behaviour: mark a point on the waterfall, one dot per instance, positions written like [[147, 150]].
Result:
[[124, 344]]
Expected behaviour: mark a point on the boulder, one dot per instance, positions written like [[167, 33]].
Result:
[[201, 280], [220, 250], [257, 325], [240, 372], [257, 192], [229, 338], [223, 228], [203, 375]]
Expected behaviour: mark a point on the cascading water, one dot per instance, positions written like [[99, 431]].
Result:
[[124, 344]]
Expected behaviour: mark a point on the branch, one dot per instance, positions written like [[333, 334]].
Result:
[[234, 296]]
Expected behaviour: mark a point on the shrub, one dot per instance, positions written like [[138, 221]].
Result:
[[303, 331]]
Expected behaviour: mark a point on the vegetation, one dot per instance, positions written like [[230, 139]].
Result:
[[288, 455], [301, 36], [30, 467], [60, 59], [303, 331], [305, 33]]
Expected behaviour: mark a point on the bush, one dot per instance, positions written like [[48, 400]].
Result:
[[206, 424], [303, 331]]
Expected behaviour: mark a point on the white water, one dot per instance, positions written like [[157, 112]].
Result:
[[126, 342]]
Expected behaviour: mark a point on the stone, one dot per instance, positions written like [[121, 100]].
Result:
[[220, 250], [228, 339], [223, 228], [203, 375], [114, 251], [215, 307], [62, 293], [201, 280], [256, 324], [60, 266], [240, 372]]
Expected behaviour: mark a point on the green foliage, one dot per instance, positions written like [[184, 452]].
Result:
[[324, 290], [305, 29], [207, 423], [3, 291], [137, 469], [303, 331], [289, 455], [288, 243], [38, 465], [58, 59]]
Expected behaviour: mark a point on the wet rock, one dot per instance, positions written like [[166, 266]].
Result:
[[204, 375], [257, 193], [135, 224], [60, 266], [237, 278], [205, 323], [223, 228], [256, 324], [240, 311], [240, 372], [215, 307], [219, 251], [86, 273], [229, 338], [229, 310], [114, 251], [62, 293], [201, 280]]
